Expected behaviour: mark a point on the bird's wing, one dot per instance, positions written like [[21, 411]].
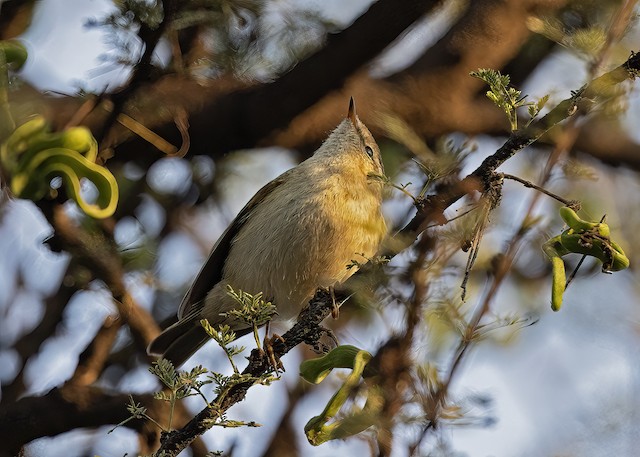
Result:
[[211, 272]]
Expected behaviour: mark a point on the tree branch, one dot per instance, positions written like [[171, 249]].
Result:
[[29, 344], [587, 97], [60, 410], [306, 330], [101, 255]]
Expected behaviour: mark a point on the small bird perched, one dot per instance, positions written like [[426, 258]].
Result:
[[297, 234]]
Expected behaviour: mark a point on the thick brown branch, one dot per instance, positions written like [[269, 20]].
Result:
[[15, 17], [61, 410]]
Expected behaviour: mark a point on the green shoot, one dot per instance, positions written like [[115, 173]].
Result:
[[180, 384], [508, 98], [224, 336], [254, 310], [136, 411]]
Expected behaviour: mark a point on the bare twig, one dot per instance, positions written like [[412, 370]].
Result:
[[531, 185]]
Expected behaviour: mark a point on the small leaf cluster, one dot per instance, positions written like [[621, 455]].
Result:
[[253, 309], [509, 99], [180, 384], [224, 336], [136, 411]]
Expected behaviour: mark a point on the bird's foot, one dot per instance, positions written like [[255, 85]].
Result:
[[272, 357], [335, 309]]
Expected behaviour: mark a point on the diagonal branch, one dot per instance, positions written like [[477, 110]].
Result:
[[586, 97], [307, 329], [101, 255]]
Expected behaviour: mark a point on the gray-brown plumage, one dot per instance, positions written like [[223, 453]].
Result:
[[298, 233]]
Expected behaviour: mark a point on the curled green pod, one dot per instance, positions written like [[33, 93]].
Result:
[[571, 218], [607, 251], [315, 370], [18, 142], [318, 430], [33, 182], [71, 173], [620, 260], [577, 224], [78, 139], [32, 156], [582, 237], [582, 244]]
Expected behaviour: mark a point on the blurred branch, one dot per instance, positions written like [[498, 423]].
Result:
[[243, 115], [392, 364], [607, 141], [93, 359], [29, 344], [60, 410], [142, 71], [15, 17], [101, 256], [434, 96]]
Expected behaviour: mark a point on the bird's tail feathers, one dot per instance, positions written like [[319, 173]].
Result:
[[181, 340], [178, 342]]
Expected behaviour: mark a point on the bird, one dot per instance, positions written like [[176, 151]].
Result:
[[304, 230]]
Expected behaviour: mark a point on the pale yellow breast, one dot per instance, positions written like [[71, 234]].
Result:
[[303, 237]]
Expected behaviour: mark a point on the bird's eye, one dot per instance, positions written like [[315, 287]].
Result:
[[369, 151]]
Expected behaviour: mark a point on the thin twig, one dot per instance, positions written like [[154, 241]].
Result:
[[531, 185], [306, 330]]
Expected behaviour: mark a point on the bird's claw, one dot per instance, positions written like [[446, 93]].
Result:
[[274, 360]]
